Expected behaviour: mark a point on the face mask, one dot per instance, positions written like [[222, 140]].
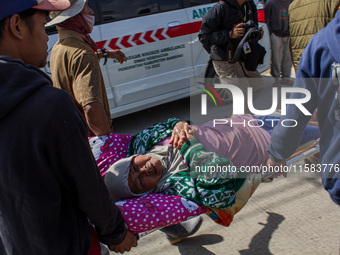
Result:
[[89, 20]]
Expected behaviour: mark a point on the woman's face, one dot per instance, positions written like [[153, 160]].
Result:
[[145, 173]]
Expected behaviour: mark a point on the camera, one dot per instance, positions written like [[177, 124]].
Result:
[[252, 34]]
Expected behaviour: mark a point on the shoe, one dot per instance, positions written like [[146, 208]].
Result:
[[178, 232]]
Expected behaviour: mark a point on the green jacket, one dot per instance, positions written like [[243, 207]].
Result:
[[211, 181], [306, 17]]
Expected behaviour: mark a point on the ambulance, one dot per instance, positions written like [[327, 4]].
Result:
[[159, 39]]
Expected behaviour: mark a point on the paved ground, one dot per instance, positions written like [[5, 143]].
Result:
[[287, 216]]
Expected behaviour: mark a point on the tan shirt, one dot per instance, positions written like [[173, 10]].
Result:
[[75, 68]]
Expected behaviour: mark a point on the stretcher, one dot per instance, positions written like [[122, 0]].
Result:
[[154, 211]]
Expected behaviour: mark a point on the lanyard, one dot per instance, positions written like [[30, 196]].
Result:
[[245, 14]]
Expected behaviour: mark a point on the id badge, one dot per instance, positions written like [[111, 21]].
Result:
[[246, 48]]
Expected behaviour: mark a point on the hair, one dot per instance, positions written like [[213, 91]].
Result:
[[2, 26], [25, 15]]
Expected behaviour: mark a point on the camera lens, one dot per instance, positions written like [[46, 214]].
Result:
[[253, 35]]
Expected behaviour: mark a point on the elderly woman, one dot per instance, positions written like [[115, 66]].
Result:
[[205, 150], [162, 168]]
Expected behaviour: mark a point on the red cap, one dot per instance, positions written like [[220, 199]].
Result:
[[52, 5]]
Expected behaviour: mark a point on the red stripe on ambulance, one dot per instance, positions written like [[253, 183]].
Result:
[[172, 32], [113, 45], [125, 42], [147, 36], [159, 34], [136, 40], [185, 29]]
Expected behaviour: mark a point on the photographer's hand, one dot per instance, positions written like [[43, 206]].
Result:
[[238, 31]]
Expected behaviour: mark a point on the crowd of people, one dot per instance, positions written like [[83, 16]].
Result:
[[57, 202]]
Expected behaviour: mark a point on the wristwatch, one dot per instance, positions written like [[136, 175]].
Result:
[[102, 50]]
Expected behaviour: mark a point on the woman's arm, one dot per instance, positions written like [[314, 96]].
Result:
[[146, 139], [212, 181]]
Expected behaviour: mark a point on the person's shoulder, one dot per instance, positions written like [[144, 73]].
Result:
[[317, 51], [268, 3], [221, 5], [292, 7], [58, 113], [74, 46], [218, 9], [318, 38], [58, 103], [76, 52], [56, 96]]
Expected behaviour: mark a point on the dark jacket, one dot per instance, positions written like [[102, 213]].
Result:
[[50, 186], [219, 21], [276, 12]]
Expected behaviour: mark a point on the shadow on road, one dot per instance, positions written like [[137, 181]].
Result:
[[194, 245], [260, 242]]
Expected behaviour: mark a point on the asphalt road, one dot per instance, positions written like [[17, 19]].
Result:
[[288, 216]]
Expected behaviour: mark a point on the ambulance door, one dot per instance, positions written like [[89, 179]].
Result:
[[200, 58], [155, 37]]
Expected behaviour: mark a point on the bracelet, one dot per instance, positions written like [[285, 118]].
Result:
[[102, 50]]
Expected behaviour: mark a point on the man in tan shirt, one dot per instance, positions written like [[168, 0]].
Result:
[[75, 68]]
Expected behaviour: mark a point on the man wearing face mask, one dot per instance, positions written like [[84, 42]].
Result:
[[75, 66]]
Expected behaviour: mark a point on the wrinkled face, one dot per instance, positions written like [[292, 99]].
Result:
[[35, 50], [145, 173]]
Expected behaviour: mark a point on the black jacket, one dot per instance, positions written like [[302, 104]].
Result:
[[219, 21], [49, 181]]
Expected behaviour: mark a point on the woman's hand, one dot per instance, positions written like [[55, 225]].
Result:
[[181, 134]]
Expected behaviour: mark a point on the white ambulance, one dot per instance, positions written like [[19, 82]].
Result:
[[159, 38]]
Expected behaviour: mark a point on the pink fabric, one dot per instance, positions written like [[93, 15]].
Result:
[[107, 149], [242, 144], [156, 211]]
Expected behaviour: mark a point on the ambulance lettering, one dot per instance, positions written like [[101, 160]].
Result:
[[199, 13]]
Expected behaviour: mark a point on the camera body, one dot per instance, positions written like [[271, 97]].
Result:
[[251, 32]]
